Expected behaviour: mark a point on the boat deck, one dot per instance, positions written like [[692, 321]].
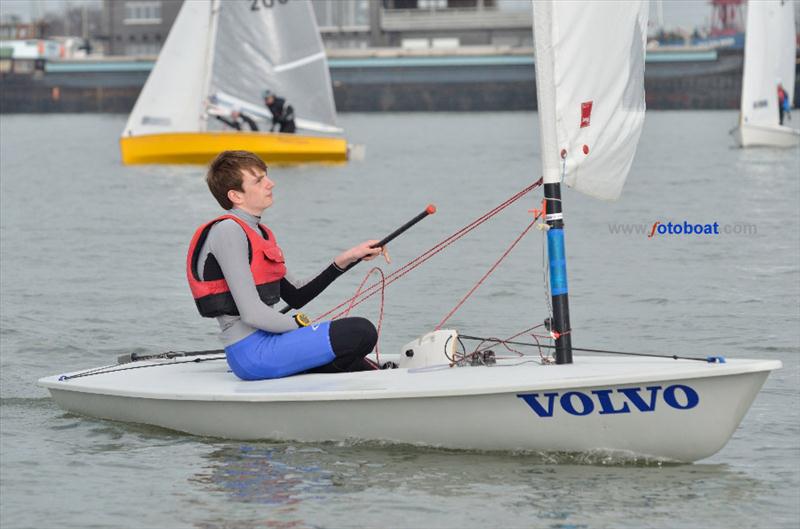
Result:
[[212, 380]]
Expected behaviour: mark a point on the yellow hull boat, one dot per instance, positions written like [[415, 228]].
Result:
[[200, 148]]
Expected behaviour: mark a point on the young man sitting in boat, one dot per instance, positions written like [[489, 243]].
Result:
[[237, 274]]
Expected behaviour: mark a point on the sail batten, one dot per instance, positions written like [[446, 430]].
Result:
[[590, 91], [212, 37], [300, 62]]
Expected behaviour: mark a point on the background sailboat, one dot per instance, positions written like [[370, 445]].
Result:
[[769, 59], [218, 58]]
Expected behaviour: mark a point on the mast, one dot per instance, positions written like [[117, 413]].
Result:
[[558, 272], [546, 96], [590, 91], [211, 39]]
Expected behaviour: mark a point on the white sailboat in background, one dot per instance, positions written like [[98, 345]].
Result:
[[219, 58], [590, 80], [769, 59]]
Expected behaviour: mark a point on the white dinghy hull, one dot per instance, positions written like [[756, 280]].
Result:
[[675, 410], [748, 135]]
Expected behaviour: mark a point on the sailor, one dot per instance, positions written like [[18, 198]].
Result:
[[237, 119], [237, 274], [784, 107], [282, 112]]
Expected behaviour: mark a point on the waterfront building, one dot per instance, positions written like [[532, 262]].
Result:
[[139, 27]]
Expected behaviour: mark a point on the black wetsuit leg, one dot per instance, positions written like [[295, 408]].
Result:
[[351, 339], [288, 127], [250, 122], [230, 123]]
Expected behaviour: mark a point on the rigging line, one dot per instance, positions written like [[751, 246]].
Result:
[[438, 247], [586, 350], [417, 261], [160, 364], [380, 315], [544, 359], [93, 371], [525, 331], [492, 269], [536, 339], [504, 343], [546, 276], [478, 350]]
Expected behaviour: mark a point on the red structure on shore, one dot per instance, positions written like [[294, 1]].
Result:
[[727, 17]]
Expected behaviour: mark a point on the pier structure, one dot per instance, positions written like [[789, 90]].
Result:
[[385, 79]]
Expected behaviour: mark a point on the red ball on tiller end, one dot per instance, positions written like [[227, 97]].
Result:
[[431, 209]]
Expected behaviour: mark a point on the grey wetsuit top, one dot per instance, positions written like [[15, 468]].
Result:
[[228, 243]]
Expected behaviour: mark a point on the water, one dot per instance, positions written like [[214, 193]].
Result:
[[91, 266]]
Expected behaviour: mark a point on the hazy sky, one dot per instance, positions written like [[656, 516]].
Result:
[[677, 13]]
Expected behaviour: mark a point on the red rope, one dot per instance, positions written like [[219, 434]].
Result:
[[488, 273], [380, 316], [529, 329], [373, 289], [493, 342]]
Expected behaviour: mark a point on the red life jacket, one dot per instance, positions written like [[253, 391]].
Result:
[[212, 295]]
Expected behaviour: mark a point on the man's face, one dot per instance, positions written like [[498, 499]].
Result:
[[269, 100], [257, 191]]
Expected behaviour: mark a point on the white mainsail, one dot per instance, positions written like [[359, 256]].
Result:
[[229, 52], [277, 48], [788, 47], [172, 98], [590, 90], [769, 59]]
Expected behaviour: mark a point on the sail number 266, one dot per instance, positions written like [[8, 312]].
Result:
[[266, 3]]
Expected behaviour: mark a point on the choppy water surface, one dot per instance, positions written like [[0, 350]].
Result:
[[91, 266]]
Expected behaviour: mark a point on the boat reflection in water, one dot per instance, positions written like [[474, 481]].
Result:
[[299, 485]]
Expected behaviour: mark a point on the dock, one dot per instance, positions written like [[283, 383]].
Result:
[[385, 80]]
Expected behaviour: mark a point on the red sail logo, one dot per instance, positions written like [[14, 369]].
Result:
[[586, 113]]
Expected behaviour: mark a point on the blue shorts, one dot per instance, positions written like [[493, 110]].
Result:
[[266, 355]]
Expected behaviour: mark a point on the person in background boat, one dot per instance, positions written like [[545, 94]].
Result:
[[237, 119], [237, 273], [282, 112], [787, 106], [783, 103]]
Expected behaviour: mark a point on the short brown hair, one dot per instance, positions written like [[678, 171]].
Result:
[[225, 173]]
